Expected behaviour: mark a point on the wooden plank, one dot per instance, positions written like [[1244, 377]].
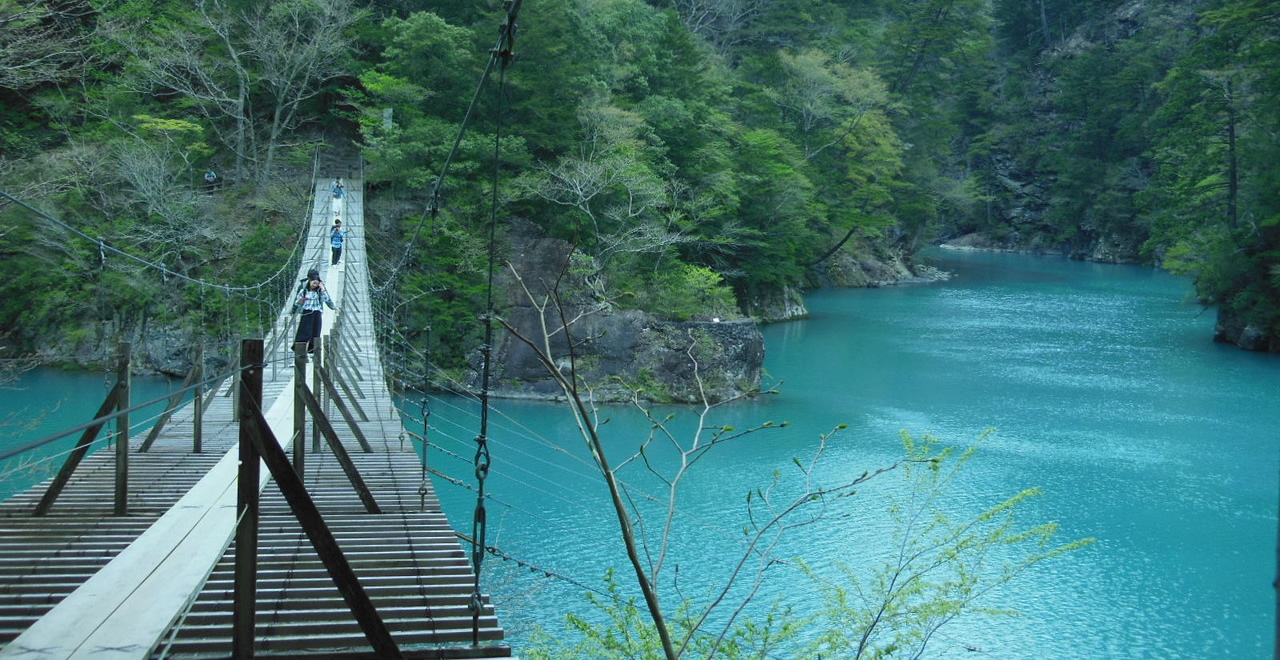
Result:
[[125, 608], [195, 532], [340, 452], [82, 447]]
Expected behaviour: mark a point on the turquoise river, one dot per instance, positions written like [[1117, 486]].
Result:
[[1098, 384]]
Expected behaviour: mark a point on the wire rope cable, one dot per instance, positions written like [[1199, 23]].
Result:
[[483, 459], [104, 248]]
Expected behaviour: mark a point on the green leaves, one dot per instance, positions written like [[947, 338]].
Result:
[[431, 55], [683, 292], [936, 567], [627, 634], [1212, 172]]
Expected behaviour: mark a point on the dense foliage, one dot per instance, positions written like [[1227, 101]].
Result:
[[702, 152], [1145, 132]]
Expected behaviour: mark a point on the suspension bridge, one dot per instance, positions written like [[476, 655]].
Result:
[[280, 513]]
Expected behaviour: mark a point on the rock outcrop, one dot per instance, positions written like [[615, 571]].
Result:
[[613, 352], [1230, 329], [854, 267], [157, 349], [877, 265], [786, 304]]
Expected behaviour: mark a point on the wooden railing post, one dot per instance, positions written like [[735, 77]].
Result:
[[299, 407], [197, 402], [346, 414], [340, 453], [317, 390], [122, 429], [277, 338], [235, 389], [330, 358], [313, 525], [110, 403], [175, 400], [245, 602]]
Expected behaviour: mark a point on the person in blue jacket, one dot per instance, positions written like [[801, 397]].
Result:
[[336, 237]]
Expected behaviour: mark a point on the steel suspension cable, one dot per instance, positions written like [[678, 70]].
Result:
[[104, 248], [503, 55], [500, 52]]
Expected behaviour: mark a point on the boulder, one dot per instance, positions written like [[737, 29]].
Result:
[[1231, 329]]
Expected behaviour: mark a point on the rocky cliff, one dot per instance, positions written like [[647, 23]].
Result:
[[1231, 329], [612, 351], [858, 265]]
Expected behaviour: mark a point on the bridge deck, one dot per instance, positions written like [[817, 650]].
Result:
[[158, 582]]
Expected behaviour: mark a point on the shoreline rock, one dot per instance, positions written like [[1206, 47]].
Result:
[[614, 352], [1230, 329]]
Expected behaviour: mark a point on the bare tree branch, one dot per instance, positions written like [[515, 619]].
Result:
[[42, 42], [649, 555], [282, 52], [722, 23]]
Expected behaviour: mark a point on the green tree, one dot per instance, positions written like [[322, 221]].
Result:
[[825, 100], [1097, 165], [930, 42], [682, 292], [1215, 208], [777, 211], [612, 199], [841, 116], [558, 69], [251, 72], [440, 59], [1195, 204]]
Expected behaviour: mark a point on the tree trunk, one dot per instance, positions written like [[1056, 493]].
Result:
[[1233, 173], [241, 120], [1044, 26]]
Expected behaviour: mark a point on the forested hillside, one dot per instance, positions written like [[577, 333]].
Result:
[[1143, 132], [707, 157]]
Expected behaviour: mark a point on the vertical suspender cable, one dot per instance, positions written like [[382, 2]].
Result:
[[482, 459], [426, 380]]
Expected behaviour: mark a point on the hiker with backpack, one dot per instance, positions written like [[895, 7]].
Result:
[[309, 303]]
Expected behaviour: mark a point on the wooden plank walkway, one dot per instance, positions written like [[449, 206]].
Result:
[[158, 582]]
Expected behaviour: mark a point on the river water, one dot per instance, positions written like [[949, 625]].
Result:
[[1099, 383], [1103, 388], [43, 403]]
